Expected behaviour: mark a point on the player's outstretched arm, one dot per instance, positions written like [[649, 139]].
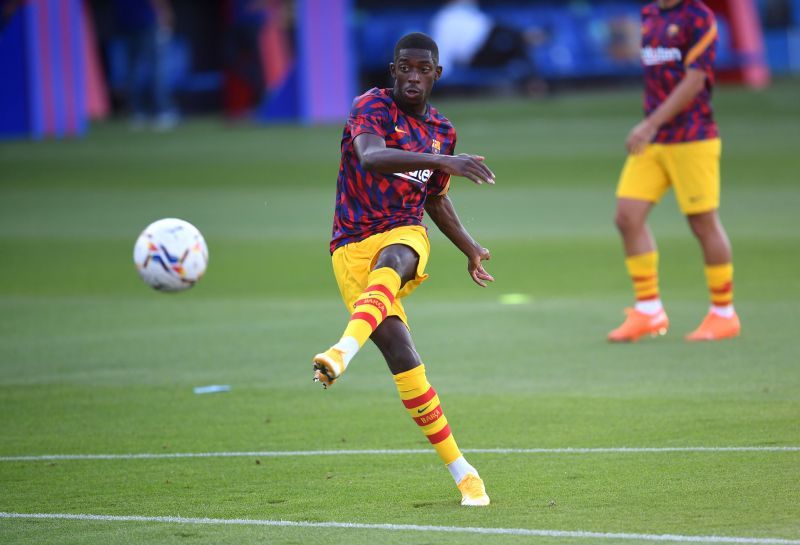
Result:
[[440, 209], [680, 97], [374, 155]]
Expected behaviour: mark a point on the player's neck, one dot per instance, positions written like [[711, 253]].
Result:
[[667, 4], [417, 111]]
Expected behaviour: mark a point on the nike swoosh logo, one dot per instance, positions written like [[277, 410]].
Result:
[[398, 129], [422, 410]]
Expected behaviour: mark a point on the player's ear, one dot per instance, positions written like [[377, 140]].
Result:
[[392, 70], [438, 73]]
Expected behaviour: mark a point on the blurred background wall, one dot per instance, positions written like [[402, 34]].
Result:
[[66, 61]]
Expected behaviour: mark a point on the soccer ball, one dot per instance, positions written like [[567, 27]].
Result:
[[170, 255]]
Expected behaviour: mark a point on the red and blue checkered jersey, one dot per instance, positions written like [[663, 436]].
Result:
[[674, 40], [369, 202]]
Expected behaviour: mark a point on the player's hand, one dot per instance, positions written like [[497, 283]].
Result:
[[476, 270], [640, 136], [468, 166]]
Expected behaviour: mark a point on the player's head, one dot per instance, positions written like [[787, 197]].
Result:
[[415, 69], [417, 40]]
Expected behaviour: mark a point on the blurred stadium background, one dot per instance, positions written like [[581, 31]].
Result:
[[64, 61]]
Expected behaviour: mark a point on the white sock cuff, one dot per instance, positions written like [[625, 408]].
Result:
[[460, 468], [725, 311], [349, 347], [651, 306]]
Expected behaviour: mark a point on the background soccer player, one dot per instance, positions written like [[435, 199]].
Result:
[[676, 145], [397, 158]]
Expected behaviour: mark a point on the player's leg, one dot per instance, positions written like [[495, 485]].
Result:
[[697, 186], [712, 237], [421, 401], [395, 265], [642, 184], [647, 317], [631, 222], [721, 322]]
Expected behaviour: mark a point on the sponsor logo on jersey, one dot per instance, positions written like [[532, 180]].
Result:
[[416, 176], [652, 56]]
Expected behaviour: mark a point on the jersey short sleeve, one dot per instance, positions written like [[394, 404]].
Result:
[[369, 115], [703, 42]]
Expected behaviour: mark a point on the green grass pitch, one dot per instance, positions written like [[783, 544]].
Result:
[[94, 362]]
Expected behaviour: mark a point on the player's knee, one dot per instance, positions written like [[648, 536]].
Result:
[[403, 359], [626, 221], [698, 230], [391, 260], [400, 258], [400, 356], [703, 225]]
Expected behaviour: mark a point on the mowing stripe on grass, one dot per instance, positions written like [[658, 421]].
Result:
[[294, 453], [408, 528]]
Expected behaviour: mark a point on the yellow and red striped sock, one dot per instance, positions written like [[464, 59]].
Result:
[[720, 284], [643, 270], [373, 305], [423, 406]]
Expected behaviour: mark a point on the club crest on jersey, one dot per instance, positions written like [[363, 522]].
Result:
[[672, 30], [436, 146]]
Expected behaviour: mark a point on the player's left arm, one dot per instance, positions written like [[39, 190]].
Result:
[[643, 133], [441, 210]]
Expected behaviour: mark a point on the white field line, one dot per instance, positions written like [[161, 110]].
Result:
[[297, 453], [409, 528]]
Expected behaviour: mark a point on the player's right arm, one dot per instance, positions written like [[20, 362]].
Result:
[[643, 133], [375, 156]]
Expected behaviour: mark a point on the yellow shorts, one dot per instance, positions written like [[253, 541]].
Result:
[[692, 168], [353, 262]]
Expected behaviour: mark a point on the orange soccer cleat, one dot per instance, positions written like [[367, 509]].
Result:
[[473, 493], [328, 366], [716, 327], [638, 324]]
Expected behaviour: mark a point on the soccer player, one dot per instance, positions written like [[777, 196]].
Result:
[[677, 144], [397, 159]]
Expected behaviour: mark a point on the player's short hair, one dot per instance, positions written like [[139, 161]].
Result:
[[417, 40]]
